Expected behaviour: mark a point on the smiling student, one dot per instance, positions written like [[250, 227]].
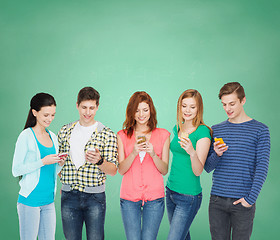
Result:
[[240, 167], [143, 159], [189, 147], [36, 163], [92, 153]]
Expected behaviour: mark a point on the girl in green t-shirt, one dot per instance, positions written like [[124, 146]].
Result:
[[190, 146]]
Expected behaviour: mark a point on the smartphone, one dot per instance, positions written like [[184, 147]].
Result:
[[62, 155], [141, 139], [184, 135], [219, 140], [91, 149]]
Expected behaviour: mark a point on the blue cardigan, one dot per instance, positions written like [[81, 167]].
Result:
[[27, 161]]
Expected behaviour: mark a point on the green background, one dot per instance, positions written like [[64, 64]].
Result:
[[119, 47]]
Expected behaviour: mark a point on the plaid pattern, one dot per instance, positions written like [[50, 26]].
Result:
[[88, 175]]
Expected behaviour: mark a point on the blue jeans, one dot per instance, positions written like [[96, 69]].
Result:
[[181, 210], [36, 221], [228, 221], [150, 214], [79, 207]]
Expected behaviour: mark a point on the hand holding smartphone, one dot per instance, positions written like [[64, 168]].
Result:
[[219, 140], [62, 155], [219, 146], [91, 149], [141, 139], [184, 135]]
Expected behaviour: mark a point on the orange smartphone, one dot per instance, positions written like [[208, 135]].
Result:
[[219, 140]]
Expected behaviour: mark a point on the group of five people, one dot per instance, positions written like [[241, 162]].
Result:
[[85, 151]]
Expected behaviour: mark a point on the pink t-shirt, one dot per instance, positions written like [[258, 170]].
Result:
[[143, 181]]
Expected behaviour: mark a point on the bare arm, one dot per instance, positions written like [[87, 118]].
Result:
[[198, 156], [125, 163], [106, 167], [161, 164]]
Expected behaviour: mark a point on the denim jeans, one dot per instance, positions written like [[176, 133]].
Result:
[[79, 207], [181, 210], [142, 222], [36, 221], [227, 219]]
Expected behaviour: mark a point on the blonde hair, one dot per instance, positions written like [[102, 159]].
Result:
[[198, 120]]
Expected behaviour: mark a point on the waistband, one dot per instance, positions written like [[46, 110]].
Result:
[[98, 189], [230, 198]]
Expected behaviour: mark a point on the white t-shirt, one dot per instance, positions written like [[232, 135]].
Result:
[[79, 138]]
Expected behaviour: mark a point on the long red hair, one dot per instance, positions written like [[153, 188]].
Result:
[[135, 99]]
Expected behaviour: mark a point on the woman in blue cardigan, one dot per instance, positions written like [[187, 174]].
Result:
[[37, 163]]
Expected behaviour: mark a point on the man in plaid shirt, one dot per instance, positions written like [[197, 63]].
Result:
[[92, 153]]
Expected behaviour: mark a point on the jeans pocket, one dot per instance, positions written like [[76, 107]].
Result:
[[159, 200], [199, 196], [65, 195], [214, 198], [99, 197], [122, 201], [245, 207]]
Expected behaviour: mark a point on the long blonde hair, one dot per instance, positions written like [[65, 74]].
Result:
[[198, 120]]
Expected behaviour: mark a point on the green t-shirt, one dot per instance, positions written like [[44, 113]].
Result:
[[181, 178]]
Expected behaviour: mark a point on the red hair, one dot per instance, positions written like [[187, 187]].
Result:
[[131, 109]]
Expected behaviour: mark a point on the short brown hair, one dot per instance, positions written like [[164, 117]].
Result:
[[131, 109], [88, 93], [232, 87]]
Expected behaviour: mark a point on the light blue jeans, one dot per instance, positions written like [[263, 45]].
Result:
[[149, 216], [36, 221], [181, 210]]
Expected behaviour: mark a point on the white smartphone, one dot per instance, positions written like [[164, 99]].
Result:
[[91, 149]]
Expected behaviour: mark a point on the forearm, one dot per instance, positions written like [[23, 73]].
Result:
[[126, 163], [211, 162], [262, 163], [258, 181], [20, 168], [197, 166], [26, 159], [161, 166], [108, 168]]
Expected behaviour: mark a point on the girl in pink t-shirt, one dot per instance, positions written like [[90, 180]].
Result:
[[143, 159]]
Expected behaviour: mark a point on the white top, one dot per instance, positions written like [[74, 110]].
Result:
[[79, 138], [142, 155]]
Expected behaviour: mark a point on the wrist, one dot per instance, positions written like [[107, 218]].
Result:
[[192, 154], [134, 153], [153, 154], [100, 162], [219, 155]]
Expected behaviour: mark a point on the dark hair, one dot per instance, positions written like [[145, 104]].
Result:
[[88, 93], [37, 102], [131, 109], [232, 87]]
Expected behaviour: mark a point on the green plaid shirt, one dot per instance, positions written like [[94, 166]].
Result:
[[88, 175]]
